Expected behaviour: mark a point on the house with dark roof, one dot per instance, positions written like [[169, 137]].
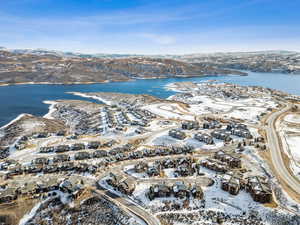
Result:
[[232, 182], [259, 189]]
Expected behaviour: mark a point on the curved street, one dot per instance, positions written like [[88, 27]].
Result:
[[275, 152]]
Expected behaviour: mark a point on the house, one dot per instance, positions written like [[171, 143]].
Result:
[[232, 162], [121, 156], [222, 135], [168, 163], [99, 154], [61, 158], [83, 167], [62, 148], [207, 139], [184, 170], [180, 190], [159, 191], [149, 152], [50, 168], [240, 130], [71, 185], [189, 125], [67, 166], [197, 191], [32, 168], [4, 152], [177, 134], [40, 161], [212, 124], [165, 151], [14, 169], [93, 145], [236, 126], [46, 149], [153, 171], [141, 167], [187, 148], [125, 185], [215, 165], [136, 155], [81, 155], [177, 150], [241, 133], [77, 146], [184, 161], [232, 182], [8, 195], [259, 189]]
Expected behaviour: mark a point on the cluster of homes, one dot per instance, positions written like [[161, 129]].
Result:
[[34, 189], [222, 162], [20, 143], [236, 129], [222, 134], [257, 186], [103, 120], [179, 190], [240, 130], [73, 147], [161, 151], [123, 184], [41, 166], [189, 125], [119, 119], [203, 137], [211, 124], [62, 163], [178, 134], [184, 166]]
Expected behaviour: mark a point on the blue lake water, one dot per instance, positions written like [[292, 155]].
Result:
[[29, 98]]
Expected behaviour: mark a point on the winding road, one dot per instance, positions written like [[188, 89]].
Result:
[[275, 151]]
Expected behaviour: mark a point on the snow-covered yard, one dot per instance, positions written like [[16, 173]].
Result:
[[292, 118]]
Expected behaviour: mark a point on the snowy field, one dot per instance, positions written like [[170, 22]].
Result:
[[292, 118], [168, 111], [293, 144], [249, 114]]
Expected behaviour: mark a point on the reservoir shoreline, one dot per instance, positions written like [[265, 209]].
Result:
[[28, 98]]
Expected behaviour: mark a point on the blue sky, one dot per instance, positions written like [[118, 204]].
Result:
[[150, 27]]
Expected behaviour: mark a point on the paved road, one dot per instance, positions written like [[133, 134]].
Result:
[[275, 151], [126, 204]]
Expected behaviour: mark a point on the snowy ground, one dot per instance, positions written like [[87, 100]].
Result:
[[197, 144], [168, 111], [292, 118], [291, 140], [249, 114]]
